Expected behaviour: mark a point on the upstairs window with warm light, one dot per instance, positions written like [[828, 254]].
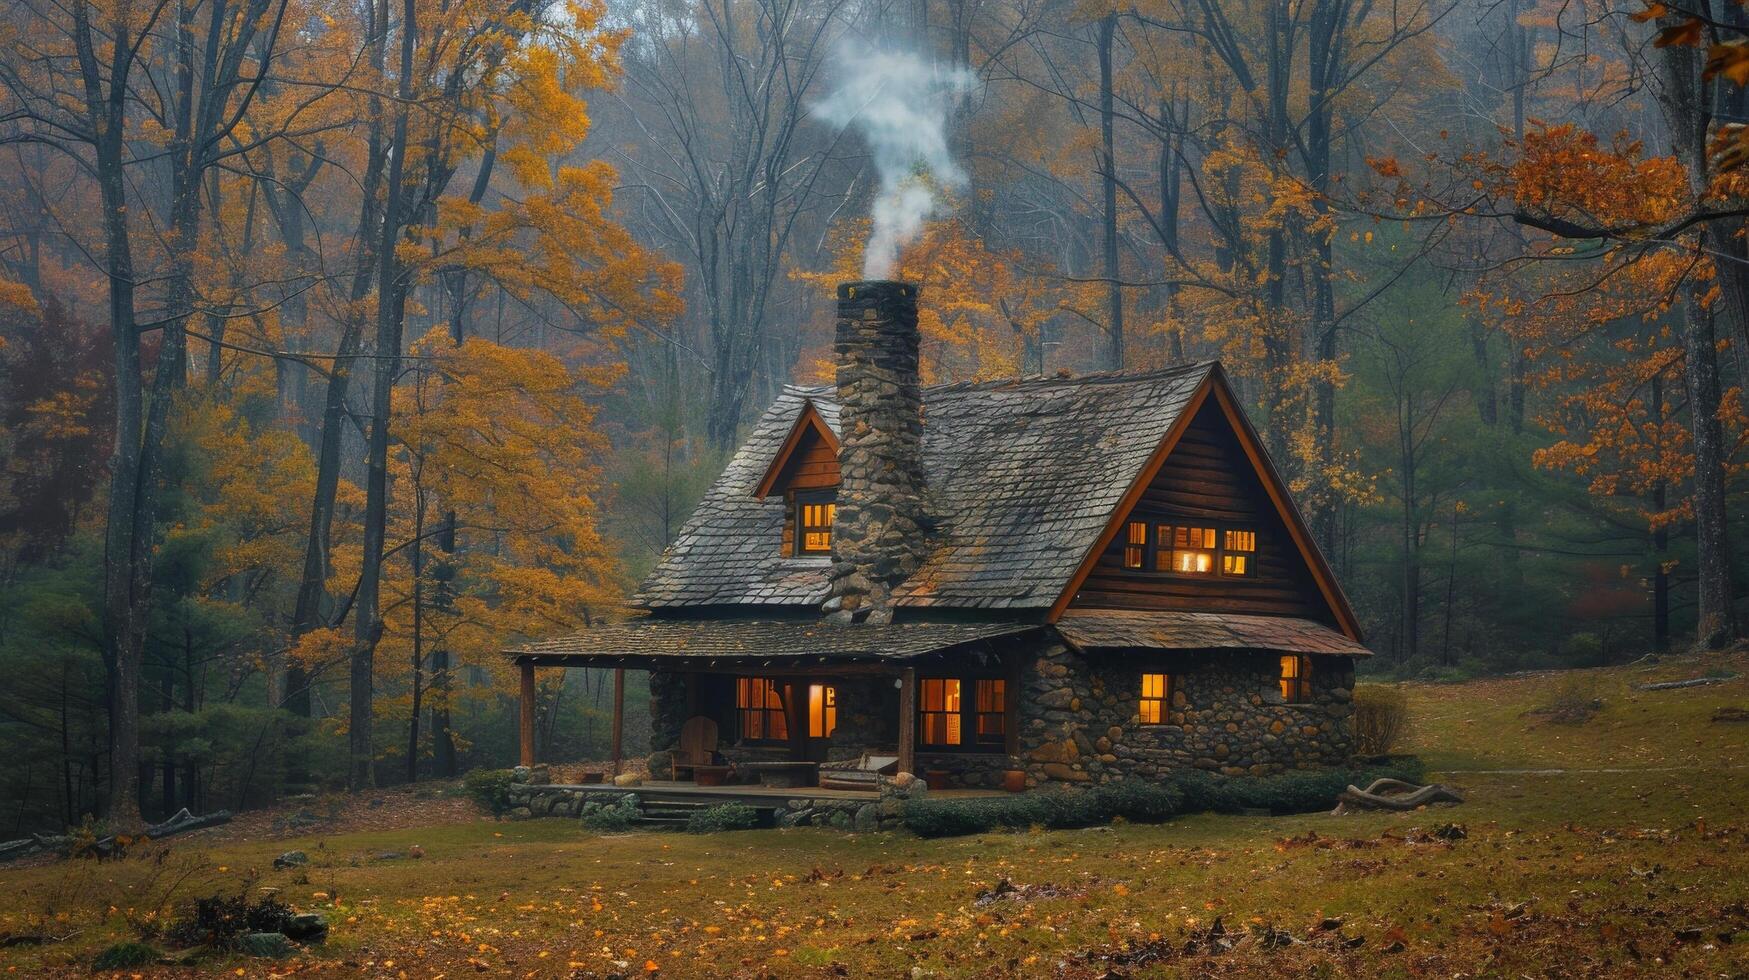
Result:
[[1135, 544], [813, 517], [1189, 549], [1184, 549]]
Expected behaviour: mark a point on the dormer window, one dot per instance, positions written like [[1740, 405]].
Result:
[[814, 512]]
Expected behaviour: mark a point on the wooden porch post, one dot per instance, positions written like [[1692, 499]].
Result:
[[619, 714], [908, 721], [527, 719]]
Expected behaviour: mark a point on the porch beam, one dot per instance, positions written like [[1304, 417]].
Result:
[[619, 715], [526, 719], [908, 721]]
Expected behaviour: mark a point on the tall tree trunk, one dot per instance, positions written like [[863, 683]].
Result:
[[307, 613], [1685, 97], [391, 306], [1114, 349]]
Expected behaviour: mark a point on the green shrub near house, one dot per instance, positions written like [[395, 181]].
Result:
[[613, 816], [1192, 791], [723, 816], [490, 788]]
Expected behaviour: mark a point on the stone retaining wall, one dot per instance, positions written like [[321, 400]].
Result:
[[531, 796]]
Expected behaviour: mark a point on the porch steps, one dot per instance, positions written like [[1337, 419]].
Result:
[[674, 814], [667, 813]]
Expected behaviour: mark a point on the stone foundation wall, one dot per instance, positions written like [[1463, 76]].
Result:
[[531, 796], [1080, 719], [969, 770]]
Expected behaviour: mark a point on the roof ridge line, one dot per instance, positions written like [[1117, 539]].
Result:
[[1091, 377]]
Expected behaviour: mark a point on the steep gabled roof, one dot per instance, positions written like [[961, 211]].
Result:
[[1022, 475], [1027, 480]]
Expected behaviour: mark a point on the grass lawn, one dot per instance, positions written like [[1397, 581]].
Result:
[[1618, 846]]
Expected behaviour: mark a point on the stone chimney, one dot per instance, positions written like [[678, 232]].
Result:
[[878, 531]]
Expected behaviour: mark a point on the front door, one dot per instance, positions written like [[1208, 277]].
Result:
[[820, 713]]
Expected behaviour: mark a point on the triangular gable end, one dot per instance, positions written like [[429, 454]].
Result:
[[808, 459], [1214, 400]]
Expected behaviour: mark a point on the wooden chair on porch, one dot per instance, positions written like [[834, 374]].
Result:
[[862, 773], [698, 746]]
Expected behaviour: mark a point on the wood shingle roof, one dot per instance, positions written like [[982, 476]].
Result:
[[1022, 478]]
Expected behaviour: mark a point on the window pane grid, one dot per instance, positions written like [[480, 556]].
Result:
[[1296, 678], [760, 705], [940, 710], [1152, 705], [814, 526], [1188, 549], [992, 710]]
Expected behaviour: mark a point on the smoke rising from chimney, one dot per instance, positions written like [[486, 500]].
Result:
[[899, 103]]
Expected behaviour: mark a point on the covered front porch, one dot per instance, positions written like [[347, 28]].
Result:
[[920, 696]]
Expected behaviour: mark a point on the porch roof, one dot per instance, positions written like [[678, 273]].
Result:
[[1089, 629], [665, 641]]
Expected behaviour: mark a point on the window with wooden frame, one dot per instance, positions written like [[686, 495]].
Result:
[[992, 726], [1296, 678], [822, 710], [1238, 552], [1185, 549], [759, 704], [938, 709], [1202, 549], [1135, 544], [1156, 693], [813, 519]]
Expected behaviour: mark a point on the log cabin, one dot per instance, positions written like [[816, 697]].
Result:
[[1049, 580]]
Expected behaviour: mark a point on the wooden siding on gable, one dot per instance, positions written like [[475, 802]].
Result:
[[1207, 480], [813, 466]]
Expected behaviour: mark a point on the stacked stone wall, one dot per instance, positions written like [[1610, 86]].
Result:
[[879, 534], [1081, 723]]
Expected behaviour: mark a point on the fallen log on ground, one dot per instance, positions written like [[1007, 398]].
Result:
[[1394, 794], [1677, 685], [180, 822]]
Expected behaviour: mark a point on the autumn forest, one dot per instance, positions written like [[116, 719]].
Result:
[[344, 343]]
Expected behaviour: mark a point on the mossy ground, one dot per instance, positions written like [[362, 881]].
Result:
[[1632, 859]]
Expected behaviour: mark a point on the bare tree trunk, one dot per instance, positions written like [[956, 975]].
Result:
[[1114, 350], [1685, 98], [391, 305]]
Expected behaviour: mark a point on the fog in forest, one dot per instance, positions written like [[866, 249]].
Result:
[[345, 344]]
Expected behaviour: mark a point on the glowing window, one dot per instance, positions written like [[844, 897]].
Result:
[[939, 707], [1296, 678], [1187, 550], [1238, 550], [1155, 691], [1135, 544], [760, 706], [814, 516]]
